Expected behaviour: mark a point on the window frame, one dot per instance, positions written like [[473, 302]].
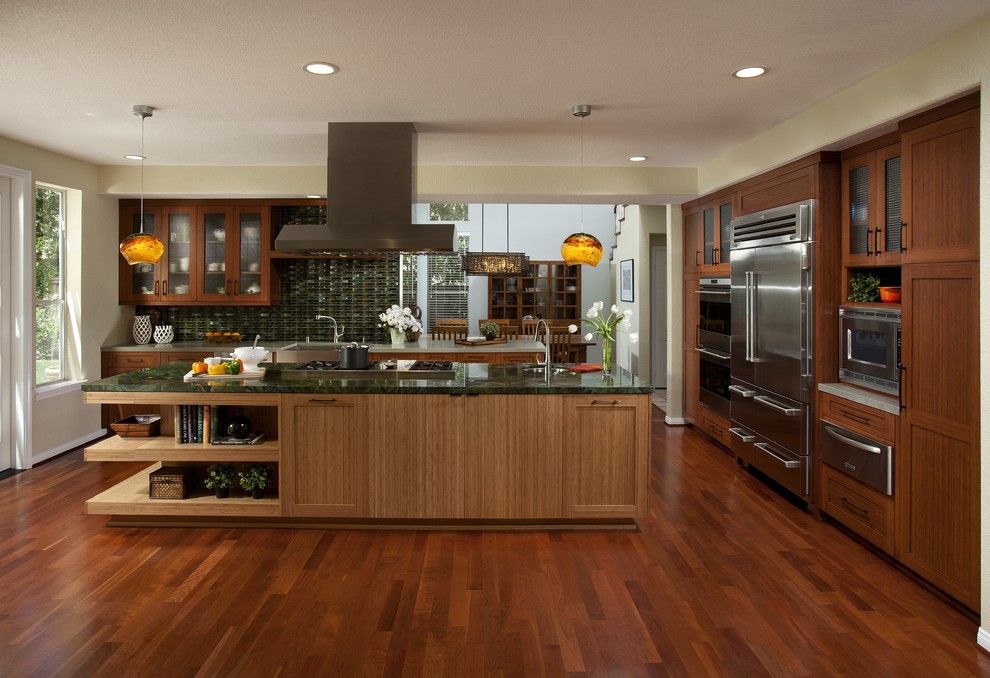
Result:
[[64, 382]]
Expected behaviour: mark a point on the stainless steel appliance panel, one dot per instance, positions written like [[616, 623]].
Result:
[[741, 295], [790, 470], [742, 443], [782, 421], [782, 298], [713, 380], [866, 460], [870, 348]]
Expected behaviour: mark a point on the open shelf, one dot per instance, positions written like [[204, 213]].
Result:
[[130, 498], [164, 448]]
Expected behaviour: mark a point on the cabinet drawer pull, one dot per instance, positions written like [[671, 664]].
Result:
[[327, 401], [604, 402], [865, 513], [773, 405], [787, 463], [856, 417], [742, 435]]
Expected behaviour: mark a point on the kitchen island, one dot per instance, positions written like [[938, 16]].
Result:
[[486, 444]]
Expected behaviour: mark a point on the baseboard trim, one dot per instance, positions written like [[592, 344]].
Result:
[[983, 639], [65, 447], [675, 421]]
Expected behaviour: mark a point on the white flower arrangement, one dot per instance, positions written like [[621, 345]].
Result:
[[607, 327], [399, 319]]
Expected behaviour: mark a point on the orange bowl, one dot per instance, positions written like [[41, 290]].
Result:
[[890, 295]]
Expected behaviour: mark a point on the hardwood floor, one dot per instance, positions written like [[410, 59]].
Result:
[[726, 578]]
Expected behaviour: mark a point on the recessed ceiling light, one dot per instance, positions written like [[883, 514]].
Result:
[[320, 68], [314, 197], [89, 113], [750, 72], [135, 157], [637, 158]]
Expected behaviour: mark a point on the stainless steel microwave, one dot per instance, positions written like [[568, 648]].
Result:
[[870, 347]]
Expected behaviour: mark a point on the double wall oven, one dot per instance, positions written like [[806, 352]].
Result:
[[714, 343]]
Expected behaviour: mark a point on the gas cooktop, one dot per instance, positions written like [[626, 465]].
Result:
[[401, 369]]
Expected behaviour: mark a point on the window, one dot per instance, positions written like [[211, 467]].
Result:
[[448, 286], [49, 285], [448, 211]]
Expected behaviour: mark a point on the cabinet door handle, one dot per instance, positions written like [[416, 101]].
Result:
[[904, 226], [869, 232], [865, 513], [697, 257], [156, 288], [604, 402], [901, 387], [876, 242], [165, 287]]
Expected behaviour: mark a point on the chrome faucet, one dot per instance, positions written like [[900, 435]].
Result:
[[536, 337], [336, 336]]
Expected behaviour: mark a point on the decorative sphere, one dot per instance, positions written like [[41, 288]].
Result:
[[238, 426], [581, 248]]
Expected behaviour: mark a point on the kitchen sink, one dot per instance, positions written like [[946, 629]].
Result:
[[305, 351]]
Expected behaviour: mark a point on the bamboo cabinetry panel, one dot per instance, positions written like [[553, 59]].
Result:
[[606, 455], [862, 509], [416, 456], [514, 448], [326, 473], [859, 418], [938, 468]]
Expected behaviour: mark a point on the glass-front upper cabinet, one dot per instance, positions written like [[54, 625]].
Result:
[[140, 283], [179, 279], [216, 272], [871, 207], [252, 283], [716, 235]]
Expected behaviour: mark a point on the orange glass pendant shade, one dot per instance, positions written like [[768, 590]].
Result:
[[581, 248], [141, 248]]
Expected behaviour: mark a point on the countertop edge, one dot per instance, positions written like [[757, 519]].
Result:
[[878, 401]]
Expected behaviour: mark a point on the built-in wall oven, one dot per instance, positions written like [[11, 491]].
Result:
[[714, 343]]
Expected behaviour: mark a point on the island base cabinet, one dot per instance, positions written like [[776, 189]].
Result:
[[416, 457], [514, 448], [606, 455], [326, 470]]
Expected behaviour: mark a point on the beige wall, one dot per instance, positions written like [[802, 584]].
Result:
[[634, 243], [603, 185], [92, 290], [946, 68], [675, 315]]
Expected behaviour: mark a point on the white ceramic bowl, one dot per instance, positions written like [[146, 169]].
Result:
[[251, 356]]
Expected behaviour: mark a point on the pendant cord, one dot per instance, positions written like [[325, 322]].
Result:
[[581, 196], [141, 213], [506, 228], [482, 227]]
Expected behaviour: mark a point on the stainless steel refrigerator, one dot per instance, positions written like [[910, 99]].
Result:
[[772, 381]]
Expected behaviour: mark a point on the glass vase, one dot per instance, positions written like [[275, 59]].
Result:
[[608, 356]]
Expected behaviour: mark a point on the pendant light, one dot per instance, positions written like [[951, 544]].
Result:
[[494, 263], [581, 247], [141, 247]]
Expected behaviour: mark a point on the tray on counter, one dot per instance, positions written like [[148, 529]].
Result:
[[252, 374], [480, 342]]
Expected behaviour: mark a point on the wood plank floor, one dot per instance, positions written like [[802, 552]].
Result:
[[725, 579]]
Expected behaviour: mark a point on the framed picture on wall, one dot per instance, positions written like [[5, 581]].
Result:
[[626, 289]]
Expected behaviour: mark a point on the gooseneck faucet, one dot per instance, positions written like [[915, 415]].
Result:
[[536, 337], [336, 335]]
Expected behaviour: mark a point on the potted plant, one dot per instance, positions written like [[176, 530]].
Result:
[[254, 479], [219, 478], [607, 327], [864, 287], [490, 330]]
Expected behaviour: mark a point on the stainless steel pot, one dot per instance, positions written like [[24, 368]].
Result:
[[354, 357]]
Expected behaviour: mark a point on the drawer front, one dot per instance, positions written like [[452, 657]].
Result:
[[742, 444], [133, 361], [859, 418], [866, 512], [714, 426]]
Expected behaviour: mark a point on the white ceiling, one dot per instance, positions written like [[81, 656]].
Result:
[[487, 83]]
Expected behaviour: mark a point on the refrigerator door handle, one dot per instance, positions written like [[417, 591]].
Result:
[[750, 321]]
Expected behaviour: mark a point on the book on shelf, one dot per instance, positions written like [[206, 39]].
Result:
[[251, 439]]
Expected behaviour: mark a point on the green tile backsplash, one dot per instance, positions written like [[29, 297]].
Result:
[[352, 291]]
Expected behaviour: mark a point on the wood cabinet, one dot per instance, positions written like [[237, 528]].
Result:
[[417, 456], [871, 206], [216, 252], [606, 456], [692, 238], [940, 162], [714, 426], [707, 236], [552, 289], [938, 461], [520, 477], [779, 187], [327, 473]]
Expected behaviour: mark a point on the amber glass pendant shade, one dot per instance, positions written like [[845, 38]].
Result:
[[581, 248], [141, 248]]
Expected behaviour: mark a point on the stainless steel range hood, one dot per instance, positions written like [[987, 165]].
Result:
[[371, 178]]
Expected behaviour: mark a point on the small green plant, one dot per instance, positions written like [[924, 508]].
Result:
[[219, 477], [253, 479], [864, 287], [490, 330]]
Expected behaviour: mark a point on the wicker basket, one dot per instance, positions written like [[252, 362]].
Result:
[[171, 482]]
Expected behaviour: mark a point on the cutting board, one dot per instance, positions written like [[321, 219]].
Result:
[[253, 374]]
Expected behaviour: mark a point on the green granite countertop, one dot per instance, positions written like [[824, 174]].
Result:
[[423, 345], [469, 378]]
